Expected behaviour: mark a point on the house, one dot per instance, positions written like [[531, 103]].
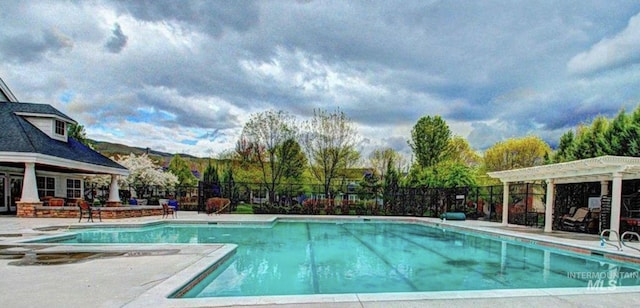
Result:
[[38, 160], [5, 93]]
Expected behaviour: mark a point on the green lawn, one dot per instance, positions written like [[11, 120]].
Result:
[[243, 209]]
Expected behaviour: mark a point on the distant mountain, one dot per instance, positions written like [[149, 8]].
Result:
[[111, 149]]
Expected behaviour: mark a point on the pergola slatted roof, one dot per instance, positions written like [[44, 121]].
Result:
[[586, 170]]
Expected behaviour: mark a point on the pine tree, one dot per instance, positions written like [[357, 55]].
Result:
[[618, 135], [633, 134], [210, 174], [566, 148]]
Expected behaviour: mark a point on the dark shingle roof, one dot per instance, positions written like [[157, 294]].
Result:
[[18, 135]]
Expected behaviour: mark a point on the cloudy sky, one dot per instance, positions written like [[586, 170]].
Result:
[[184, 76]]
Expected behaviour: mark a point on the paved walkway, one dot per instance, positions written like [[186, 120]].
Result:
[[126, 275]]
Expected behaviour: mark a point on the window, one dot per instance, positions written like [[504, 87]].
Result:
[[74, 188], [46, 186], [60, 128]]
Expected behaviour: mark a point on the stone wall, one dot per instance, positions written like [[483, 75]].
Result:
[[36, 209], [27, 209]]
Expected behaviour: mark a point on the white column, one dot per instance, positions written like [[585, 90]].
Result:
[[548, 209], [505, 203], [604, 188], [29, 185], [616, 196], [114, 194]]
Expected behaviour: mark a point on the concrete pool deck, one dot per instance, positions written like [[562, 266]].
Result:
[[132, 275]]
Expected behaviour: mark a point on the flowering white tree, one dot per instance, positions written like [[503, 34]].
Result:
[[143, 174]]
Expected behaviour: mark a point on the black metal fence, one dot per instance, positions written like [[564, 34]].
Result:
[[526, 204], [526, 201]]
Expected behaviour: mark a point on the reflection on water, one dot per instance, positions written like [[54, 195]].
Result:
[[328, 258]]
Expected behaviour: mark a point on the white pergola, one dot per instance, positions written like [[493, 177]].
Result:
[[600, 169]]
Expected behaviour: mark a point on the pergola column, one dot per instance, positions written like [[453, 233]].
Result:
[[616, 195], [548, 210], [505, 203], [604, 188], [29, 185]]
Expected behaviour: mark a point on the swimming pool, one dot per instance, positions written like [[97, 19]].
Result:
[[338, 257]]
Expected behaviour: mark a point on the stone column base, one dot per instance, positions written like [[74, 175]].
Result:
[[27, 209]]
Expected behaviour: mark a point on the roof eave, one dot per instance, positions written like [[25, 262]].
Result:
[[19, 157], [46, 115]]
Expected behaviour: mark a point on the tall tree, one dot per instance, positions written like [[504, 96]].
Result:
[[516, 153], [382, 159], [618, 134], [293, 159], [230, 189], [211, 179], [591, 141], [430, 140], [77, 132], [390, 185], [461, 152], [247, 151], [210, 174], [267, 132], [566, 148], [329, 141], [453, 173], [180, 168], [634, 134]]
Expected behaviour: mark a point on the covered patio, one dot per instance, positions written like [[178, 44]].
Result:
[[603, 169]]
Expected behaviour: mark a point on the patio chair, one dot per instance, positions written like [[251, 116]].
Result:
[[173, 204], [572, 210], [56, 202], [167, 210], [578, 221], [87, 211]]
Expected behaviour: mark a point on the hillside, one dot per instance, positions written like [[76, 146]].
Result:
[[162, 158], [110, 149]]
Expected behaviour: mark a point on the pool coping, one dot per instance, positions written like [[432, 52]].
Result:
[[158, 296]]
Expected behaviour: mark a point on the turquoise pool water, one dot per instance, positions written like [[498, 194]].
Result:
[[297, 257]]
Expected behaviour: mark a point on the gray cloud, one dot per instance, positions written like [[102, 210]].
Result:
[[195, 70], [117, 41], [621, 49], [29, 47], [212, 17]]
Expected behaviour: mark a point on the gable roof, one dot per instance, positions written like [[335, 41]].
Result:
[[20, 141], [5, 93]]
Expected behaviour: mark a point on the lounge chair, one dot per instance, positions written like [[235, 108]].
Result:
[[577, 222], [572, 211]]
